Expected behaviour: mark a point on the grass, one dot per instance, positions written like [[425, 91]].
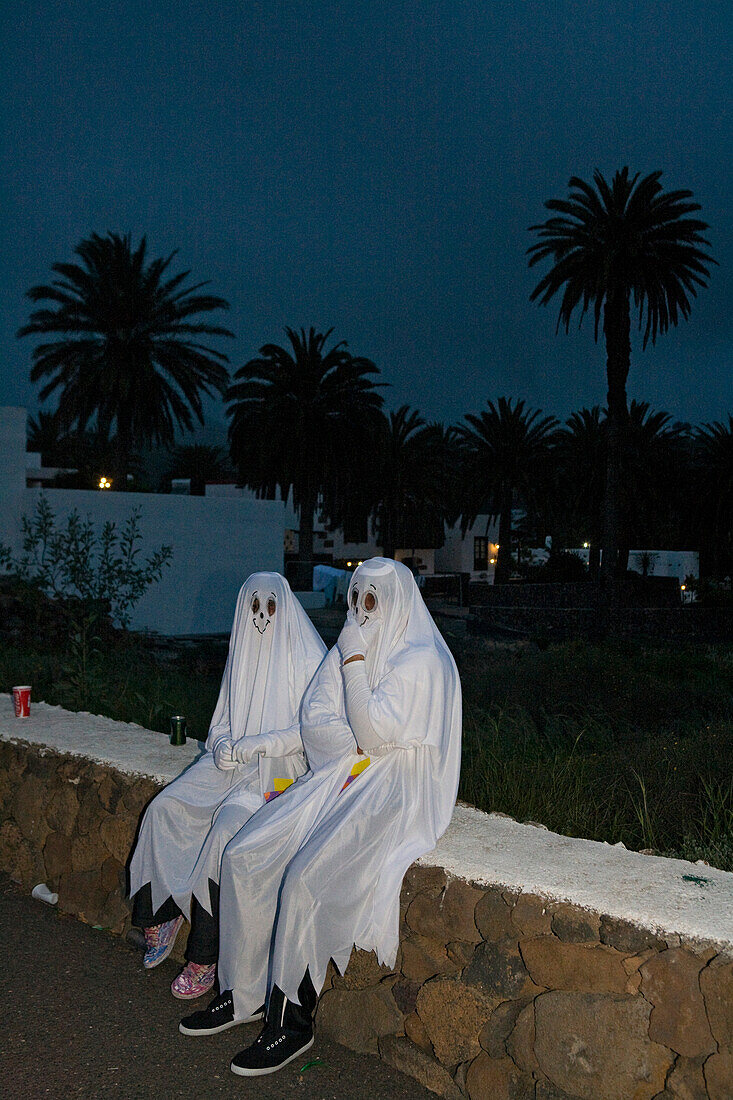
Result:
[[631, 744]]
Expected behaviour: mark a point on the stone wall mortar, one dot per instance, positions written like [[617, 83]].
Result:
[[494, 994]]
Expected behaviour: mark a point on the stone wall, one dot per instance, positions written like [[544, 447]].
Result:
[[495, 995]]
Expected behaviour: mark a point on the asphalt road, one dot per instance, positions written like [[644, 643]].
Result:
[[80, 1017]]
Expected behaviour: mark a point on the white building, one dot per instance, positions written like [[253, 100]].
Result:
[[216, 542]]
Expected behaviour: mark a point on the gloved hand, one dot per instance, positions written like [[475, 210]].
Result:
[[222, 753], [351, 640], [246, 748]]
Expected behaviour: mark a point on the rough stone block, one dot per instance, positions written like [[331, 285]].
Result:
[[686, 1080], [628, 937], [10, 839], [718, 1071], [447, 916], [362, 972], [573, 925], [520, 1044], [498, 970], [532, 915], [423, 959], [63, 808], [493, 915], [454, 1014], [490, 1078], [113, 875], [117, 834], [716, 983], [408, 1058], [81, 894], [357, 1018], [584, 969], [670, 981], [87, 852], [596, 1045], [416, 1031], [114, 914], [56, 857], [137, 795], [459, 905], [545, 1090], [461, 953], [494, 1035], [28, 809], [91, 812], [405, 995]]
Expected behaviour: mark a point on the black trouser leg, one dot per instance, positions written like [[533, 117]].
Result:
[[142, 909], [285, 1014], [203, 939]]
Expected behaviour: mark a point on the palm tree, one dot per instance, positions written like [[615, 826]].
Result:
[[504, 447], [300, 419], [129, 353], [47, 437], [714, 454], [414, 494], [610, 245], [653, 471], [580, 467], [199, 462]]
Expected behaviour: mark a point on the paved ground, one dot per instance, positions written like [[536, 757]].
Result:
[[82, 1018]]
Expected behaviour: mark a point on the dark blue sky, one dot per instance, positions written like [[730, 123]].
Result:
[[371, 166]]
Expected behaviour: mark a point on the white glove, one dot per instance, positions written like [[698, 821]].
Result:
[[222, 753], [246, 748], [351, 640]]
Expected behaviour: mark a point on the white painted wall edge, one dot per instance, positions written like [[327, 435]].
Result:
[[666, 896]]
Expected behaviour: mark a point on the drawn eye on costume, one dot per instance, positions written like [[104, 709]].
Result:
[[255, 605], [370, 601], [271, 606], [354, 597]]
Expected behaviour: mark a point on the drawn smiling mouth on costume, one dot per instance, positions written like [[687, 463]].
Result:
[[264, 628]]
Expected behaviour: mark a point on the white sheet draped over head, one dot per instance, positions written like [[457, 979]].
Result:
[[273, 653], [324, 864], [400, 634]]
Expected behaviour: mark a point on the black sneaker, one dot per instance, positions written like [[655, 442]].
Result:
[[218, 1016], [272, 1049]]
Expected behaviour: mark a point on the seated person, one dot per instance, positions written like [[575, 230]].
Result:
[[320, 870], [253, 752]]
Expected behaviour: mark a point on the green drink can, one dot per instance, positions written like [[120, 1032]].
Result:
[[178, 730]]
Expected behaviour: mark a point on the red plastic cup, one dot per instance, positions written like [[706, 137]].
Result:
[[22, 701]]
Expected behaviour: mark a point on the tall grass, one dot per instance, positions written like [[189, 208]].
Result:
[[630, 744]]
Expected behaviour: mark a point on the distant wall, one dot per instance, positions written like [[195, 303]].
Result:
[[217, 542]]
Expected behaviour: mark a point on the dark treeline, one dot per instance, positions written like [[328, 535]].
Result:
[[130, 360]]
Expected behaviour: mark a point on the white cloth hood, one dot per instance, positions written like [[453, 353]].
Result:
[[274, 650]]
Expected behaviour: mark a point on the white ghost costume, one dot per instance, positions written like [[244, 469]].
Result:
[[274, 651], [320, 869]]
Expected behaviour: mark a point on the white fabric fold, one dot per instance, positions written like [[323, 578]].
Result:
[[273, 653]]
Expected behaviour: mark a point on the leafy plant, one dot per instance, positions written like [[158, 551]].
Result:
[[94, 576]]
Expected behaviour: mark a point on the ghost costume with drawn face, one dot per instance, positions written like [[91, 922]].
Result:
[[253, 747], [324, 863]]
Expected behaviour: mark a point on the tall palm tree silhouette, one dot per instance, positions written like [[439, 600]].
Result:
[[611, 246], [299, 416], [413, 482], [504, 446], [129, 352]]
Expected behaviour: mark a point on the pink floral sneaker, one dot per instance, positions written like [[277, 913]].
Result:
[[193, 981], [159, 940]]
